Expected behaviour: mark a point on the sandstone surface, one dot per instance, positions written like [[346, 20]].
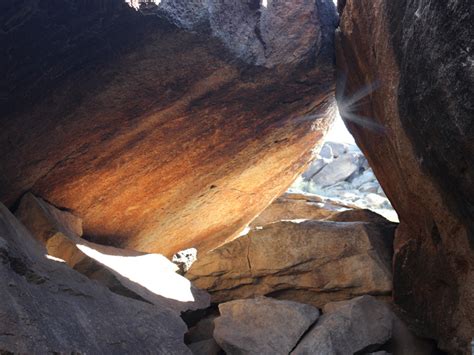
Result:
[[313, 262], [161, 135]]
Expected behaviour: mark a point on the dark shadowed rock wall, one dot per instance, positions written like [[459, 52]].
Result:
[[405, 91]]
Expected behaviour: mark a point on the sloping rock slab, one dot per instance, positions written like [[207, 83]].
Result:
[[360, 325], [160, 138], [298, 206], [262, 325], [49, 308], [313, 262], [149, 277]]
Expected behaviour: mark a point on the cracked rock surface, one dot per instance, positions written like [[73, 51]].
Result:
[[255, 326], [405, 91], [48, 307], [312, 262]]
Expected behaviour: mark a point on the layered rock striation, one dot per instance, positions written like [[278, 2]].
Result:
[[161, 135], [313, 262]]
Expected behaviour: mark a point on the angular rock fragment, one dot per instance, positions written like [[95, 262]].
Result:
[[262, 325], [361, 325], [313, 262], [339, 170], [149, 277], [184, 259], [49, 308]]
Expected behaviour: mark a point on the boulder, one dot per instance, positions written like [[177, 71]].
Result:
[[148, 277], [337, 149], [184, 259], [313, 262], [326, 152], [365, 177], [315, 167], [338, 170], [361, 325], [291, 206], [49, 308], [262, 325], [370, 188], [160, 134], [405, 93]]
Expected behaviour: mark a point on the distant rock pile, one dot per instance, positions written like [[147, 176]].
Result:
[[340, 171]]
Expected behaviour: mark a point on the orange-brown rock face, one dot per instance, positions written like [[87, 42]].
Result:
[[160, 138], [406, 95]]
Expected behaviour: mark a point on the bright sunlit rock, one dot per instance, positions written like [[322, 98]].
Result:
[[152, 271]]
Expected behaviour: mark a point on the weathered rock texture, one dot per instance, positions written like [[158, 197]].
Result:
[[405, 93], [292, 206], [358, 326], [147, 277], [157, 137], [311, 262], [49, 308], [262, 325]]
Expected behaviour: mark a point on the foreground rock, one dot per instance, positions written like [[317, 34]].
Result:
[[262, 325], [161, 138], [313, 262], [49, 308], [412, 61], [360, 325], [147, 277]]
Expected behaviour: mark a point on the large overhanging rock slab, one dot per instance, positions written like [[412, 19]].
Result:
[[49, 308], [405, 93], [162, 138], [311, 262], [147, 277]]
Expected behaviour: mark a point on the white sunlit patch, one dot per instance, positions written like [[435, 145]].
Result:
[[296, 221], [152, 271], [264, 3], [50, 257], [244, 231]]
